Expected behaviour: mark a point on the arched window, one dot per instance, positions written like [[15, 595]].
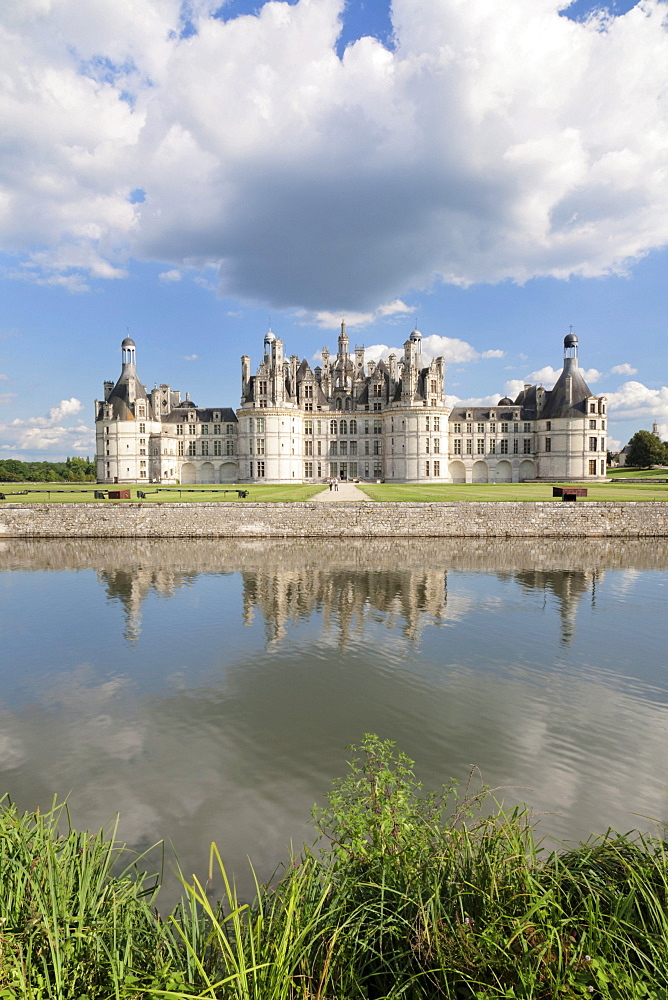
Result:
[[347, 404], [338, 404], [343, 427], [353, 427], [332, 427]]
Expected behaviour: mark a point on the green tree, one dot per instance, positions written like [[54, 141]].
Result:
[[645, 450]]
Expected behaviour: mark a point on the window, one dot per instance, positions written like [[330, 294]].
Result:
[[377, 470], [437, 445], [492, 428], [180, 449], [353, 447], [592, 466], [481, 428], [259, 446], [333, 425], [377, 407], [262, 388], [437, 424], [205, 428], [426, 445], [308, 427], [504, 446], [366, 426], [457, 428], [457, 447], [548, 444], [353, 470], [527, 428], [426, 424], [469, 428], [527, 446], [191, 448], [516, 446], [378, 389], [343, 447], [308, 447], [377, 447], [142, 451], [229, 447], [602, 444], [432, 386], [332, 448], [437, 468], [216, 428], [602, 467], [218, 447], [333, 469], [469, 446], [353, 427], [259, 423], [343, 427], [548, 425], [308, 470], [593, 444], [426, 468], [592, 409], [308, 392], [319, 443], [592, 425], [260, 470], [480, 446], [516, 428], [142, 428], [192, 429], [492, 447], [378, 426], [205, 447], [504, 428]]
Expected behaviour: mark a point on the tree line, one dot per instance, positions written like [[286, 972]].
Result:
[[645, 450], [72, 470]]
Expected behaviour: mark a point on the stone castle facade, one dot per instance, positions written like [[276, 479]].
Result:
[[352, 419]]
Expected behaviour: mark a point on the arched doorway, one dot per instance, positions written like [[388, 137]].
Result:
[[188, 474], [206, 473], [527, 471], [457, 472], [504, 472], [480, 472], [228, 473]]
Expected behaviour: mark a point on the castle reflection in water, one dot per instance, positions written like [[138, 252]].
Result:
[[401, 582]]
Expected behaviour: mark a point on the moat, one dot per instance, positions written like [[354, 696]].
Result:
[[207, 689]]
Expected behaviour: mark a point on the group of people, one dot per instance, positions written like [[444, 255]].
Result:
[[333, 484]]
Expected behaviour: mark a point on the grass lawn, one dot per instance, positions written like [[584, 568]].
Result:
[[624, 473], [511, 491], [84, 493]]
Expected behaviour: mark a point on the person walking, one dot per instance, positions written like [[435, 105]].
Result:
[[331, 485]]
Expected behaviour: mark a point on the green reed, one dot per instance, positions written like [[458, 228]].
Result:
[[405, 896]]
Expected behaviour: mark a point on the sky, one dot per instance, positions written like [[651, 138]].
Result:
[[192, 173]]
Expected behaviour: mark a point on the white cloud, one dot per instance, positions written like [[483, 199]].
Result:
[[625, 369], [190, 357], [3, 377], [548, 375], [168, 277], [496, 141], [635, 401], [332, 320], [6, 398], [50, 433]]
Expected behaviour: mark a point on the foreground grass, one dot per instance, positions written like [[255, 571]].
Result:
[[622, 490], [619, 489], [411, 897], [84, 493]]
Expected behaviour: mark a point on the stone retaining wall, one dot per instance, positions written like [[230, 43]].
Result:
[[333, 520]]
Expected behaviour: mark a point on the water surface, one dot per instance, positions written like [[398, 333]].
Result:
[[207, 689]]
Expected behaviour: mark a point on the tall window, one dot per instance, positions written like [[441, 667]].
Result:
[[229, 447], [353, 447], [481, 428], [457, 428], [548, 444], [260, 470], [593, 444], [142, 428], [378, 426], [437, 425], [437, 468], [191, 448], [333, 448], [343, 427], [377, 447], [259, 423], [180, 449], [469, 446], [426, 468], [437, 445], [353, 426], [527, 446], [308, 470], [343, 447], [592, 466], [308, 427], [259, 446], [516, 446], [308, 447], [492, 447], [205, 428], [426, 424], [481, 446], [504, 428], [457, 447], [218, 447], [527, 428], [469, 428], [333, 426], [216, 428], [205, 447], [504, 446]]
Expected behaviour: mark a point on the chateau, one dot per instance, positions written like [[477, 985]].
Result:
[[349, 418]]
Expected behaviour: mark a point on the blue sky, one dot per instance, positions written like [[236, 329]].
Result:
[[193, 173]]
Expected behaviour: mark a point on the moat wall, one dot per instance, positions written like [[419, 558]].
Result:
[[334, 520]]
